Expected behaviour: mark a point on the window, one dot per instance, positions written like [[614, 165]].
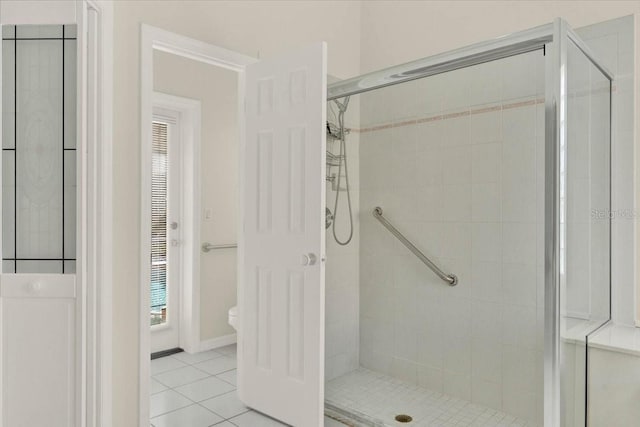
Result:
[[39, 149], [159, 223]]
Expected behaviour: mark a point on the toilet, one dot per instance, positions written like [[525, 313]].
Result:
[[233, 317]]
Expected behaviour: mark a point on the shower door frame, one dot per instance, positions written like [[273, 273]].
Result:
[[556, 137], [552, 38]]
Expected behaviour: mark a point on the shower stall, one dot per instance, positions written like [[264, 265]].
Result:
[[430, 247], [479, 181]]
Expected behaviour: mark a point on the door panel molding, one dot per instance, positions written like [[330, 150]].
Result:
[[38, 286], [281, 296], [39, 356]]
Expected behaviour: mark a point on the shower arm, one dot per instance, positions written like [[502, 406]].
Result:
[[451, 279]]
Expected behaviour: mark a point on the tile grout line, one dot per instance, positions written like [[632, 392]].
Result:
[[209, 375], [192, 402]]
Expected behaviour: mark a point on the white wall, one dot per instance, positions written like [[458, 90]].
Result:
[[253, 28], [216, 89], [31, 12]]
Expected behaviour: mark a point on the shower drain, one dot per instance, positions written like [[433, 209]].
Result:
[[402, 418]]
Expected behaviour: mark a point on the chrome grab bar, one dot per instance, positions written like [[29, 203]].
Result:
[[451, 279], [206, 247]]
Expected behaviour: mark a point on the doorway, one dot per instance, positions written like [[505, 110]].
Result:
[[173, 252], [202, 212]]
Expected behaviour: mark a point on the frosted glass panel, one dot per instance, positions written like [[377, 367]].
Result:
[[8, 31], [8, 94], [39, 156], [39, 266], [8, 204], [70, 31], [8, 266], [39, 31], [69, 204], [39, 149], [69, 267], [70, 94]]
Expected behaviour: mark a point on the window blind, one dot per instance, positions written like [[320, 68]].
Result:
[[159, 216]]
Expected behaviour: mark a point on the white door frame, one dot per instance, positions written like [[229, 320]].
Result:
[[95, 97], [156, 38], [189, 112]]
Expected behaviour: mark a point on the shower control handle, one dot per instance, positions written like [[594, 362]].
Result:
[[309, 259]]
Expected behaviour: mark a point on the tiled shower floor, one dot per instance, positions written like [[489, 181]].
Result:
[[199, 390], [382, 397]]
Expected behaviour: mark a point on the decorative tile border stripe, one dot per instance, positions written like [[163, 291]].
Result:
[[406, 123], [522, 104], [430, 119], [487, 109], [464, 113], [453, 115]]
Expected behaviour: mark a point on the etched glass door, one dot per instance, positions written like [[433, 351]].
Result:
[[38, 296]]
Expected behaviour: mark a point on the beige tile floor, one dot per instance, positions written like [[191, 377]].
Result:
[[199, 390]]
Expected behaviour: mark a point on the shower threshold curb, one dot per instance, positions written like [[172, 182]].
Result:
[[350, 417]]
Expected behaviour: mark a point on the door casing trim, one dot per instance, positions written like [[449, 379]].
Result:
[[153, 38]]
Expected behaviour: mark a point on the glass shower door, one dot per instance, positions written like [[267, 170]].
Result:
[[583, 201]]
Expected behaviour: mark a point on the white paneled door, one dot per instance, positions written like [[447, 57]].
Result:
[[43, 241], [282, 246]]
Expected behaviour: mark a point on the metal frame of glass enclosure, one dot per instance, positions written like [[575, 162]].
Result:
[[553, 38]]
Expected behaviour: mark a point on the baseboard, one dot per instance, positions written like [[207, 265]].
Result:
[[213, 343]]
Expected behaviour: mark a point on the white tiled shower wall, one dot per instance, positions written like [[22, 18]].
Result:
[[342, 265], [456, 162]]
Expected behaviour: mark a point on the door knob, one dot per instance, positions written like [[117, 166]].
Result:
[[174, 225], [309, 259]]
